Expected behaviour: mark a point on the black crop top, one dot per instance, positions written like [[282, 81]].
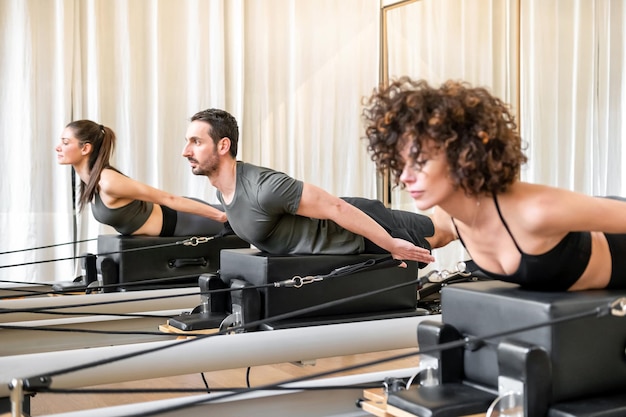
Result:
[[556, 270]]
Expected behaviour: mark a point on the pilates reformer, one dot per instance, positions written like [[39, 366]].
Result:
[[503, 351], [40, 361], [497, 349], [154, 277]]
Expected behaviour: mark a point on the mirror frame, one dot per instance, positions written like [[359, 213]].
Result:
[[384, 181]]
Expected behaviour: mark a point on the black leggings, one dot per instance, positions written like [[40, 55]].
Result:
[[617, 246], [405, 225], [178, 223]]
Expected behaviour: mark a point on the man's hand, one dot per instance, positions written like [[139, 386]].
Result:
[[406, 251]]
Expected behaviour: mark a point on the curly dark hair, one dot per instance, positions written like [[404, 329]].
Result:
[[476, 131]]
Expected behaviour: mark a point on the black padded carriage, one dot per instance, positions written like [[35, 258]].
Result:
[[573, 367], [259, 268], [140, 262]]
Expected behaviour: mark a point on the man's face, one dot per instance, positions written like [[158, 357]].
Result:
[[200, 150]]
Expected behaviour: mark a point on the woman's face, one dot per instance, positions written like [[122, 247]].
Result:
[[69, 151], [426, 178]]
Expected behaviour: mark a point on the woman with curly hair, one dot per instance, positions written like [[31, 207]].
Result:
[[129, 206], [458, 148]]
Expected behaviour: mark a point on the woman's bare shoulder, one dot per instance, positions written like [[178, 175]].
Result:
[[112, 182], [525, 204], [550, 209]]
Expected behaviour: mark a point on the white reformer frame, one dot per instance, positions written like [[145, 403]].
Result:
[[209, 354], [53, 351], [23, 341]]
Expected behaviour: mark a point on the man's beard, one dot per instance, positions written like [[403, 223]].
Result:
[[208, 169], [198, 170]]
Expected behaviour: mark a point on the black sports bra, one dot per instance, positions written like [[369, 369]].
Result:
[[556, 270], [126, 219]]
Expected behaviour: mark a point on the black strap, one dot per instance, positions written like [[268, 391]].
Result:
[[74, 215], [370, 263]]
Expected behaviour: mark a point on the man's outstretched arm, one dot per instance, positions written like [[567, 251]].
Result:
[[319, 204]]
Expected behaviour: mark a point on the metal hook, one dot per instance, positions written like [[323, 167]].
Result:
[[444, 274], [195, 241], [618, 307]]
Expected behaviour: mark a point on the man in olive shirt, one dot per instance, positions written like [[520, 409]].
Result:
[[281, 215]]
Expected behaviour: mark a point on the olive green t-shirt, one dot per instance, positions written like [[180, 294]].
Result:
[[262, 212]]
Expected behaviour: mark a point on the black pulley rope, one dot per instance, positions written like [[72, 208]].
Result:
[[48, 246], [192, 241]]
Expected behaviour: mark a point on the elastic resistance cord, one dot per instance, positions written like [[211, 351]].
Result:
[[188, 242], [346, 270], [48, 246], [336, 273], [471, 341], [252, 324]]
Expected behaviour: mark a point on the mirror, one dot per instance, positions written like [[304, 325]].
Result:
[[472, 40], [476, 41]]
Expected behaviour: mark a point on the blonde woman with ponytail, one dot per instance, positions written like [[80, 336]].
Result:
[[129, 206]]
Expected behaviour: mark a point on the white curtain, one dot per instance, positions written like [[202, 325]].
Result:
[[293, 72], [574, 94], [308, 64], [36, 44], [437, 40], [143, 68]]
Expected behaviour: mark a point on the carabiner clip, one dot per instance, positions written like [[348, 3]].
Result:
[[195, 241], [618, 307], [299, 281]]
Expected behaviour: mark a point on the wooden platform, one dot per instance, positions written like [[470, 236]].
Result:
[[375, 402], [166, 328]]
